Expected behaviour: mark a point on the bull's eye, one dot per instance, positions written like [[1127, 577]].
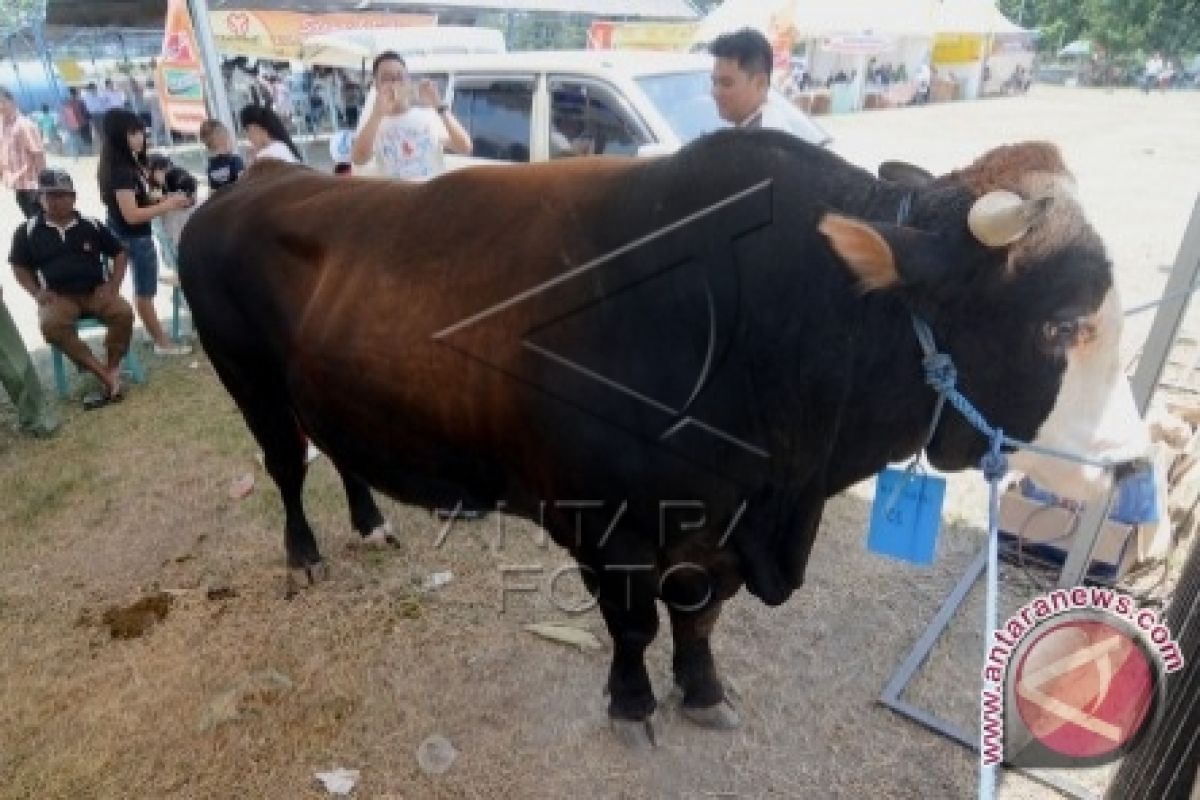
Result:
[[1062, 334]]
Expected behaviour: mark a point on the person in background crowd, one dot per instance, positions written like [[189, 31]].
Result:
[[924, 79], [268, 136], [281, 96], [159, 135], [112, 96], [77, 121], [19, 378], [166, 179], [96, 108], [47, 125], [404, 140], [22, 155], [224, 165], [741, 80], [61, 259], [125, 189], [137, 102]]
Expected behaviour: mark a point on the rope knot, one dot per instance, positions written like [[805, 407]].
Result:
[[994, 463], [940, 372]]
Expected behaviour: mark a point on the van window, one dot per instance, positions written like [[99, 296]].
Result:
[[685, 101], [587, 119], [497, 113]]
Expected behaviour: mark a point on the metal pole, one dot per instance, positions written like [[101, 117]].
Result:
[[39, 38], [16, 68], [211, 62], [1163, 331]]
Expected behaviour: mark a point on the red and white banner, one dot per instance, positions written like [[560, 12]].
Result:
[[180, 77]]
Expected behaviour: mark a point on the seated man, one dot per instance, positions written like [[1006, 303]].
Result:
[[60, 258]]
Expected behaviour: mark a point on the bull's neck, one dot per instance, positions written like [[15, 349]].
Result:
[[889, 404]]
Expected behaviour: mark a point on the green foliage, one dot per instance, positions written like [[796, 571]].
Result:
[[1119, 27], [18, 14]]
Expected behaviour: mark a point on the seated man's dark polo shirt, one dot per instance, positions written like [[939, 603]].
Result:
[[70, 260]]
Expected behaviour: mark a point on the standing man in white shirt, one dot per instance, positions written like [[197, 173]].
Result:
[[96, 108], [402, 139], [113, 97], [741, 81]]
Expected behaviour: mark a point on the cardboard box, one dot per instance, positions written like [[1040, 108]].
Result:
[[1048, 531]]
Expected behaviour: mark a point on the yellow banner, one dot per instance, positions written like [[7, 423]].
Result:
[[179, 80], [70, 71], [956, 48], [279, 35], [669, 36]]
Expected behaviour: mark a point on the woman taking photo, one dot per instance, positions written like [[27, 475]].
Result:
[[267, 135], [123, 175]]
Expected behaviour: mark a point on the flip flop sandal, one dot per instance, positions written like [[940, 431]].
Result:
[[96, 400], [101, 399]]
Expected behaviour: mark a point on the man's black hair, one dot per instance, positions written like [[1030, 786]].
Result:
[[749, 48], [386, 55]]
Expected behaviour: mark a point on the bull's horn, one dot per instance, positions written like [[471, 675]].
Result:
[[999, 218]]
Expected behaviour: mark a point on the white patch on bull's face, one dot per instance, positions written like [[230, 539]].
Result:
[[1094, 414]]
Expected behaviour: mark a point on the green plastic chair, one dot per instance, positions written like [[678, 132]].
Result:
[[131, 365]]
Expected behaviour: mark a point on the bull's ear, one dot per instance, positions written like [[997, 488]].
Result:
[[905, 174], [880, 255]]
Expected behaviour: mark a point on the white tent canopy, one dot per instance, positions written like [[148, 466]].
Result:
[[972, 16], [897, 18], [353, 48]]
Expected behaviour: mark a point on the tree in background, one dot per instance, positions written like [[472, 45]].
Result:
[[18, 14], [1119, 27]]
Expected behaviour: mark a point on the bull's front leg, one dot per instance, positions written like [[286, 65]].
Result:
[[704, 701], [694, 592], [627, 601], [365, 516]]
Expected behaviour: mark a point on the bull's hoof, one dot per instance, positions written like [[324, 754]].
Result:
[[382, 536], [635, 734], [721, 717], [300, 578]]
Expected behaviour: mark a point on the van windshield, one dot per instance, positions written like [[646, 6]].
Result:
[[684, 99]]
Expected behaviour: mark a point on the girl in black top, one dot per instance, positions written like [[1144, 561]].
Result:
[[125, 190]]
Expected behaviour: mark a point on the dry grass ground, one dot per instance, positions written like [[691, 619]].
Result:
[[241, 693], [238, 692]]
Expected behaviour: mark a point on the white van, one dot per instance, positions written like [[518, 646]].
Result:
[[539, 105]]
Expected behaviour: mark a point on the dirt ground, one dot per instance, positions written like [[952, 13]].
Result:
[[225, 689]]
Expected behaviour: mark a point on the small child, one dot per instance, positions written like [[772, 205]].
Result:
[[224, 165], [167, 178]]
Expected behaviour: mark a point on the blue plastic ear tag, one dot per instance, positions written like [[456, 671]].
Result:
[[906, 514]]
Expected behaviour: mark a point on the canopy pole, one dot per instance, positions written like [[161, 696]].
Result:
[[211, 61]]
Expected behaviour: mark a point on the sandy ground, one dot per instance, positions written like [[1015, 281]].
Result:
[[357, 672]]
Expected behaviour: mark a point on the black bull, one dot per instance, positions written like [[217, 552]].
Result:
[[664, 362]]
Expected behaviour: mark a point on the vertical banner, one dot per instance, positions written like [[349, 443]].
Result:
[[600, 35], [180, 79], [781, 32]]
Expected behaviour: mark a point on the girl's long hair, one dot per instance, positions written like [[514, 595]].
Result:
[[266, 119], [114, 151]]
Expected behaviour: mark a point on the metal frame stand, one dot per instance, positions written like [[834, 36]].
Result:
[[1167, 320], [892, 696]]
